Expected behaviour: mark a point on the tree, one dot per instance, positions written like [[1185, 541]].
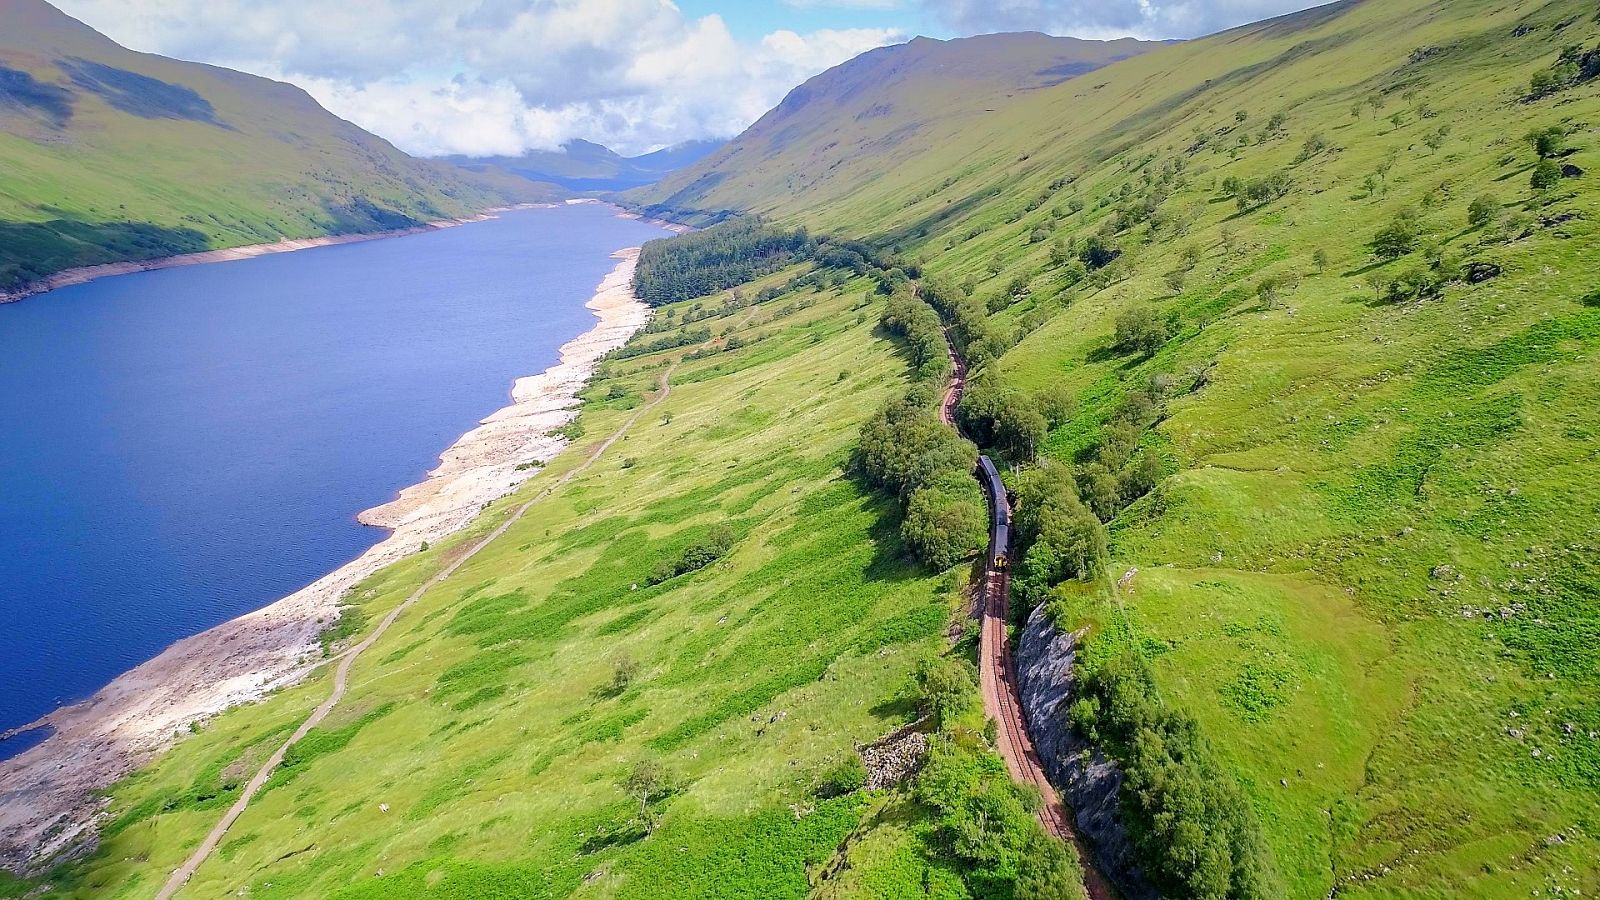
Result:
[[1048, 870], [1315, 143], [1272, 287], [946, 685], [1139, 478], [1397, 238], [945, 522], [1320, 259], [1097, 254], [1546, 175], [1482, 210], [1140, 329], [647, 782], [1547, 142]]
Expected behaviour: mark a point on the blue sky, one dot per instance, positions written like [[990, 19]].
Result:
[[502, 77], [751, 20]]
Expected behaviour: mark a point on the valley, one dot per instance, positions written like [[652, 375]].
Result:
[[1281, 342]]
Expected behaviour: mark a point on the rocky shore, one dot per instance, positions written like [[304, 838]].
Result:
[[50, 794]]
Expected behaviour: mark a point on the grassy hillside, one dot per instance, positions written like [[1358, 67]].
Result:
[[1370, 568], [1299, 274], [112, 155], [484, 743], [851, 125]]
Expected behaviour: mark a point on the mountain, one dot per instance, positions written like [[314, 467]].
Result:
[[1285, 341], [110, 155], [589, 167], [856, 120]]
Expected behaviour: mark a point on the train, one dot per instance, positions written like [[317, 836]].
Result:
[[1000, 522]]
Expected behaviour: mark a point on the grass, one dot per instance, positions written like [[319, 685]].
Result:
[[1372, 577], [478, 749]]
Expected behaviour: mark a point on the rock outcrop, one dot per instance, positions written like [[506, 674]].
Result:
[[1088, 781]]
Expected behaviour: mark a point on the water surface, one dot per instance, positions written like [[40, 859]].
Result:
[[183, 446]]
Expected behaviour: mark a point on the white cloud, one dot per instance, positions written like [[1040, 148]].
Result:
[[495, 77], [1109, 18]]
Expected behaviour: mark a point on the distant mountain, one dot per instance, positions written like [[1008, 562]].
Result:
[[108, 155], [852, 121], [589, 167]]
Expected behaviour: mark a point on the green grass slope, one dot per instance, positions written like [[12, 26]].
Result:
[[851, 125], [482, 746], [109, 155], [1371, 569], [1368, 569]]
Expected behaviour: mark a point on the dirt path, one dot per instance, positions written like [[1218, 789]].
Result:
[[341, 675], [997, 676]]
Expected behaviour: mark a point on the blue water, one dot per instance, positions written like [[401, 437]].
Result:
[[183, 446]]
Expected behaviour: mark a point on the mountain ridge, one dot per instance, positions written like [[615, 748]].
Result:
[[118, 156], [587, 167]]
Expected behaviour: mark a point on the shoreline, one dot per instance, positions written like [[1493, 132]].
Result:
[[86, 274], [50, 793]]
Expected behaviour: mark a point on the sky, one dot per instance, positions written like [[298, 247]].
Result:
[[502, 77]]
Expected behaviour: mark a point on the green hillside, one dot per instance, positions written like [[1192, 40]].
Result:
[[855, 123], [1304, 313], [109, 155]]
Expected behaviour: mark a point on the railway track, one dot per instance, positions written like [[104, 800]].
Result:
[[997, 675]]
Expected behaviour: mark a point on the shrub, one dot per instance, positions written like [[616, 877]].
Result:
[[696, 556], [1482, 210], [947, 687], [1140, 329], [1546, 175], [845, 778], [1399, 237], [1097, 254], [945, 521]]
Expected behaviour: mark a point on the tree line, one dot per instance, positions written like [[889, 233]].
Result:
[[704, 262], [1193, 831]]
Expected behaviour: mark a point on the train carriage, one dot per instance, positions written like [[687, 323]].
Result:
[[1000, 528]]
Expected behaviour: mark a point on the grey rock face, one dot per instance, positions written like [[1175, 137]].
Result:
[[1088, 781]]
